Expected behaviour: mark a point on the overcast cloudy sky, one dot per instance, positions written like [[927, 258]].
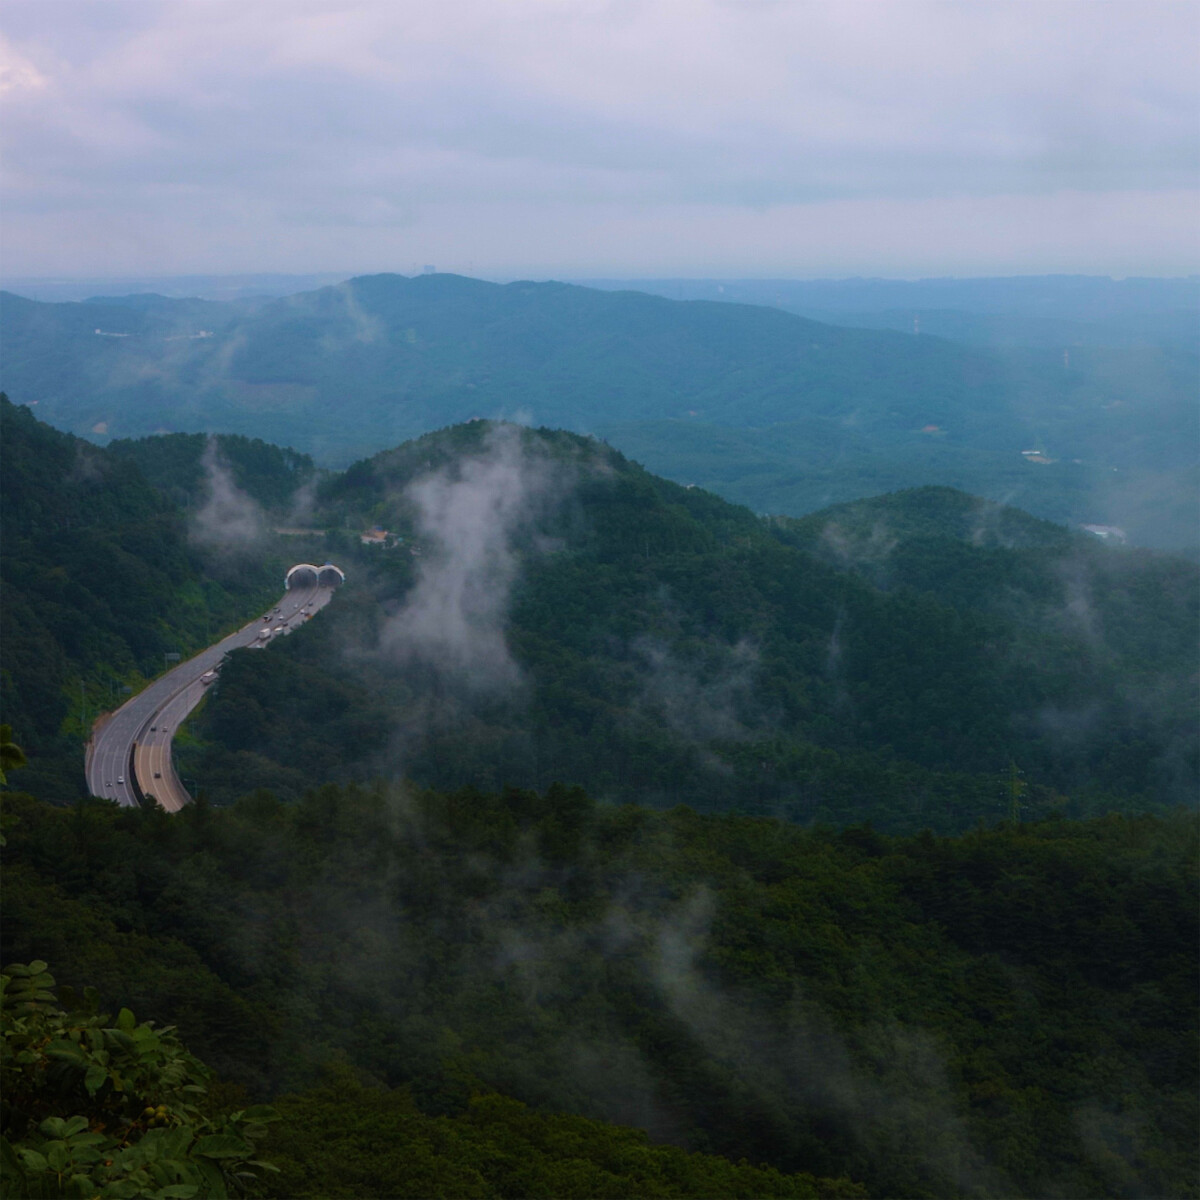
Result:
[[579, 137]]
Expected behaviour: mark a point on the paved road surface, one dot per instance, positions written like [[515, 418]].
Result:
[[143, 727]]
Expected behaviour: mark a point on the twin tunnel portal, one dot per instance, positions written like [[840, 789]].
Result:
[[306, 575], [129, 755]]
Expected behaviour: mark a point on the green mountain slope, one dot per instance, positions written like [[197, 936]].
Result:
[[890, 663], [493, 974], [890, 660], [1008, 1013], [100, 581]]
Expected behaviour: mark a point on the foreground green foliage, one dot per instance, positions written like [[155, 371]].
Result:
[[1009, 1012], [93, 1109]]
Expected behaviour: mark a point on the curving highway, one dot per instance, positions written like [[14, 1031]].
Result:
[[130, 749]]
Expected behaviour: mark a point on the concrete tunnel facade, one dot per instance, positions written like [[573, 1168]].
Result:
[[308, 575]]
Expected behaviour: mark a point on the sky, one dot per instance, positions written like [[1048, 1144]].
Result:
[[568, 138]]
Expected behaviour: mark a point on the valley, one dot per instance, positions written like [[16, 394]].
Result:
[[604, 829]]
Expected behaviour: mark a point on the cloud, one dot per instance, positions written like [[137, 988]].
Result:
[[17, 73], [855, 550], [469, 516], [368, 135], [228, 520], [795, 1059], [702, 701]]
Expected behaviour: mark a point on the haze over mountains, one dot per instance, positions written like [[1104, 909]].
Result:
[[1095, 379], [1057, 311]]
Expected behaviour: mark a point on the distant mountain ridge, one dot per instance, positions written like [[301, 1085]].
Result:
[[769, 408], [1037, 310], [420, 353]]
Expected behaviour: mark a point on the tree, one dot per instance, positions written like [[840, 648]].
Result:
[[12, 757], [93, 1109]]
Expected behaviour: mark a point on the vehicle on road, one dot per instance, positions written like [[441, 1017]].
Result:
[[120, 778]]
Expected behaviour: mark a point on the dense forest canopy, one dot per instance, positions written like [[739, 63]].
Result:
[[890, 663], [544, 609], [541, 858], [100, 581], [1008, 1012]]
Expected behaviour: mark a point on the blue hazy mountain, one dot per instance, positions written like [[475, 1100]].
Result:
[[774, 410]]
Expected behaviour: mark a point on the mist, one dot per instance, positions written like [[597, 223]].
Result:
[[470, 518], [228, 521]]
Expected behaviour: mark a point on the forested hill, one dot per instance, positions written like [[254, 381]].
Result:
[[473, 982], [656, 643], [546, 610], [101, 579], [1006, 1013]]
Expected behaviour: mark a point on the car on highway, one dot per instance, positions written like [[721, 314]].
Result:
[[120, 778]]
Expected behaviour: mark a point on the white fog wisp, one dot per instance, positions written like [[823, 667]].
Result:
[[229, 519], [468, 517]]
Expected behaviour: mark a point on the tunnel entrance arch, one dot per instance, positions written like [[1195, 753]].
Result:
[[302, 575], [306, 575]]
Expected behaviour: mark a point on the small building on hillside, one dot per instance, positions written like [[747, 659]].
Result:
[[378, 536]]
